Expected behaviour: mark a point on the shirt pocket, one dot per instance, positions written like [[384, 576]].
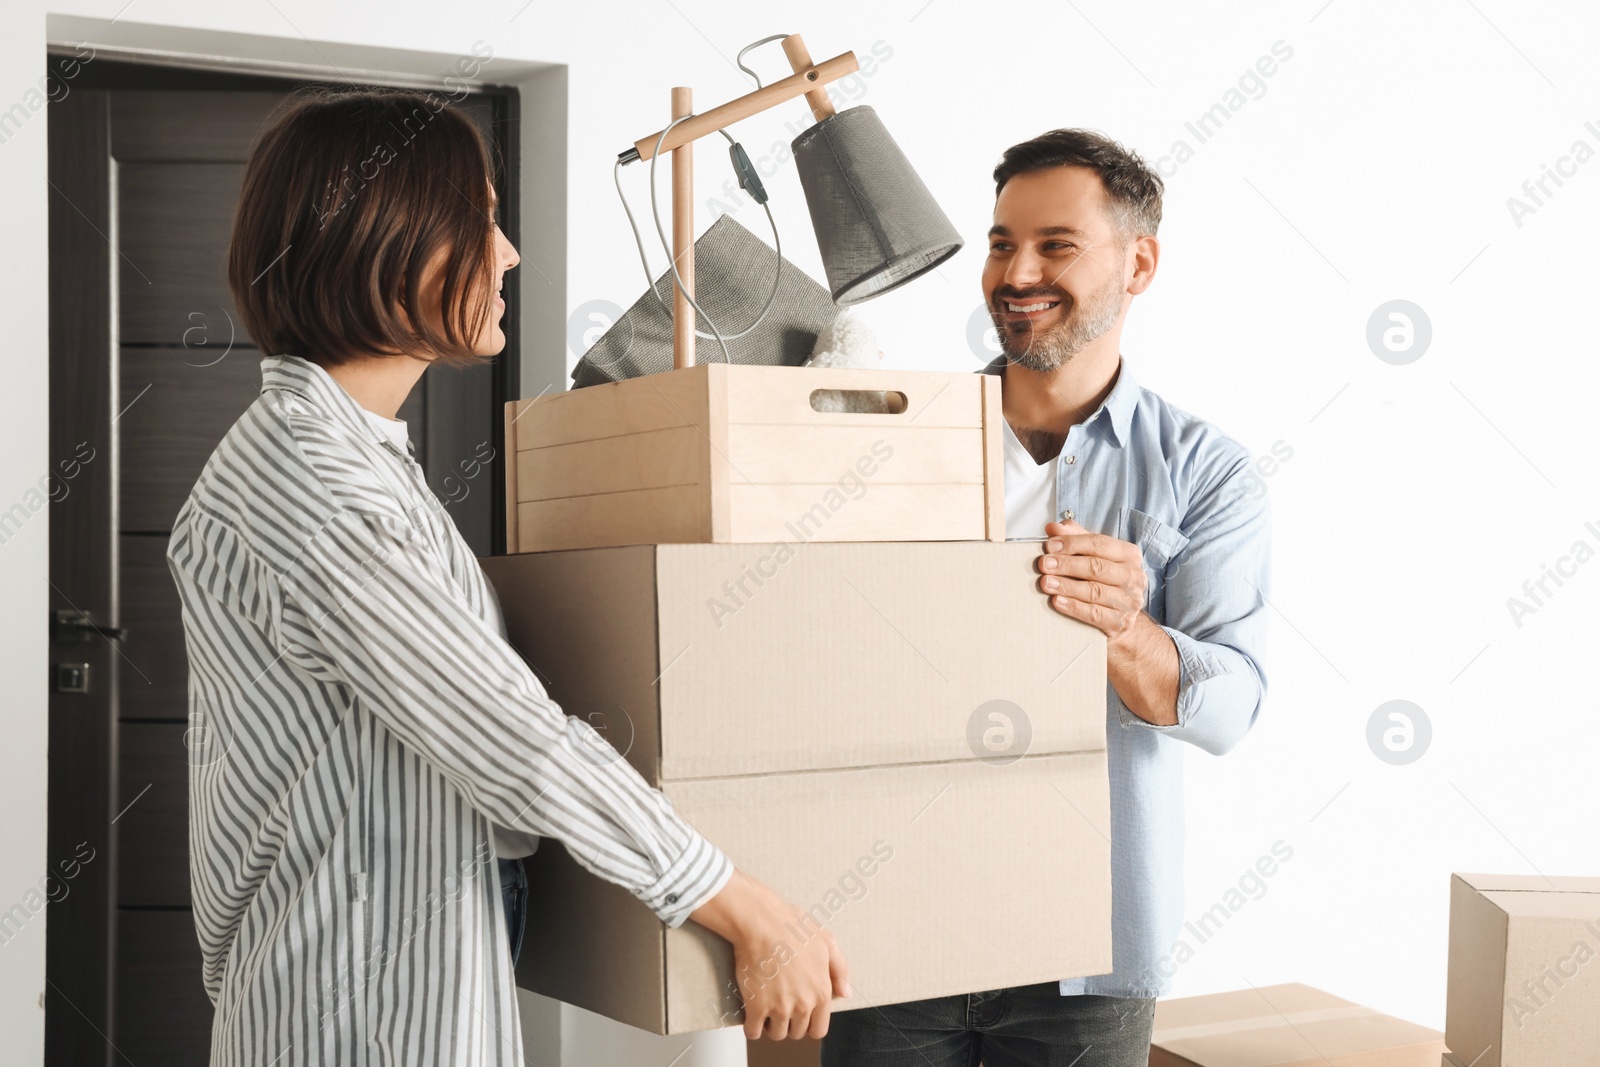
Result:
[[1159, 544]]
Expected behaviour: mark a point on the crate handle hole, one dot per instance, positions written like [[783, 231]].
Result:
[[867, 401]]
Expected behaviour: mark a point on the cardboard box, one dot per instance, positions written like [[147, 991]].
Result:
[[1524, 981], [723, 454], [1286, 1026], [900, 738]]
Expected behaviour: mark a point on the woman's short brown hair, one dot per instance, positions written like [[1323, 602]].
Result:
[[347, 197]]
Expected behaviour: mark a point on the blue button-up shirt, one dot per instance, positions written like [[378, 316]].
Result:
[[1144, 471]]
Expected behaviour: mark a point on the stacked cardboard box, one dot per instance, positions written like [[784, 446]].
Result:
[[1286, 1026], [900, 738], [727, 454], [1524, 982]]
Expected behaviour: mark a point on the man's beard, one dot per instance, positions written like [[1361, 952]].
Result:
[[1080, 326]]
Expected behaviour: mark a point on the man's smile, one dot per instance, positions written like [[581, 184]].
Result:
[[1027, 310]]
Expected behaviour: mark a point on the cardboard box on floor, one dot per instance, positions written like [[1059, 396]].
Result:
[[1524, 987], [819, 712], [1286, 1026]]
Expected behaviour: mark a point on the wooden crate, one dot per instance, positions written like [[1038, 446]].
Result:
[[719, 453]]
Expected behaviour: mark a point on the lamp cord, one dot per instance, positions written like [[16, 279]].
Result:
[[721, 338], [655, 212], [738, 60]]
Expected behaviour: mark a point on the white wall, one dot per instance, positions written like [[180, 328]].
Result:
[[24, 559], [1375, 166]]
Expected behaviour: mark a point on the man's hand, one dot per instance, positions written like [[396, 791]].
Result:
[[1093, 578], [1101, 581], [788, 984]]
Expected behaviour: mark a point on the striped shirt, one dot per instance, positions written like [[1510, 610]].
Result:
[[358, 728]]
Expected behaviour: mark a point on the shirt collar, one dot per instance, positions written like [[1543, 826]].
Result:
[[1117, 408], [295, 374]]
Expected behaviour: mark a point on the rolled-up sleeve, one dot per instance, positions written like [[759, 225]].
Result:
[[1215, 610], [368, 605]]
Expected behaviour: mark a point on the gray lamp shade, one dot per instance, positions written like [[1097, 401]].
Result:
[[877, 225], [732, 277]]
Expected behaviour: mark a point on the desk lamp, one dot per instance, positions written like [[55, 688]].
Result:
[[877, 225]]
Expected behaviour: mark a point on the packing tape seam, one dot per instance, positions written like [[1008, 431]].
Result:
[[959, 761]]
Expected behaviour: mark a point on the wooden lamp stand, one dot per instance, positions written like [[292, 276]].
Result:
[[807, 80]]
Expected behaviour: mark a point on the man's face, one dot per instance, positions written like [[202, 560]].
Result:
[[1055, 253]]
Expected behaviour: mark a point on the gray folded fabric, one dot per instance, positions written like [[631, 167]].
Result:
[[733, 275]]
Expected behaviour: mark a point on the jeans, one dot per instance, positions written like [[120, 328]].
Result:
[[1025, 1026], [514, 894]]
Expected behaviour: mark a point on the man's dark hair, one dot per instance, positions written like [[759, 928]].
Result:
[[1133, 188], [347, 197]]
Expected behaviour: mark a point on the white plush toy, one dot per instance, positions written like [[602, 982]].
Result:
[[848, 342]]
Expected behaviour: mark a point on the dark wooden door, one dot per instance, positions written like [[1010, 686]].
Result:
[[149, 368]]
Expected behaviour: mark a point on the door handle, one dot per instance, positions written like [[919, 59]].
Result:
[[73, 625]]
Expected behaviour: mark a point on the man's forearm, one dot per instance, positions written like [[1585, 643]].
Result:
[[1142, 666]]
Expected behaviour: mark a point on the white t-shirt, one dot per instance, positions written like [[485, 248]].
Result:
[[393, 429], [1030, 490], [508, 844]]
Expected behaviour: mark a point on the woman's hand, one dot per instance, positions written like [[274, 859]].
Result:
[[788, 969]]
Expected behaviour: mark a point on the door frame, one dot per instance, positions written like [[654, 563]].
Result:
[[530, 102], [536, 141]]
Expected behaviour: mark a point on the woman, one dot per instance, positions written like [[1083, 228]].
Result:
[[372, 736]]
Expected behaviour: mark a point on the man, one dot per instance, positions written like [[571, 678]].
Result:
[[1154, 535]]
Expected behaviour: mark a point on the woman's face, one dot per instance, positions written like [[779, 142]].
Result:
[[491, 339]]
